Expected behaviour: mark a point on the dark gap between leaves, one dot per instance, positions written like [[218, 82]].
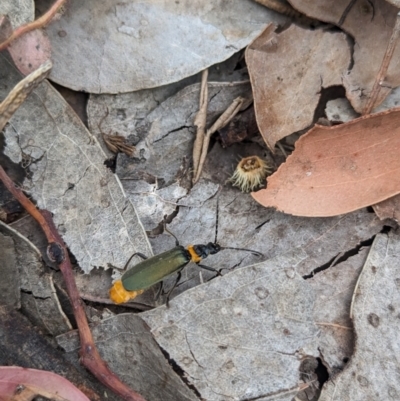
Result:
[[172, 131], [327, 94], [332, 262], [322, 373], [111, 163], [76, 100], [179, 371], [386, 229]]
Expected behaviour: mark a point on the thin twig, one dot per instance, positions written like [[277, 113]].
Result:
[[200, 122], [222, 121], [39, 23], [89, 356], [384, 67], [338, 326]]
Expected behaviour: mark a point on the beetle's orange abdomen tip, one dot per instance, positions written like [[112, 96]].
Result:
[[119, 295]]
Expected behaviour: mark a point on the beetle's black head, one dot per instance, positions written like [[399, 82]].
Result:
[[204, 250]]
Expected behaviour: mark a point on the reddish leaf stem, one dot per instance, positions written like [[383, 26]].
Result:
[[89, 354], [38, 23], [384, 67]]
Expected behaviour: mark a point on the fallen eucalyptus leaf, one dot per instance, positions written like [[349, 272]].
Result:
[[240, 337], [336, 170], [16, 380], [373, 369], [30, 50], [288, 71], [167, 133], [35, 287], [370, 24], [19, 12], [125, 343], [334, 288], [68, 177], [132, 45], [9, 284]]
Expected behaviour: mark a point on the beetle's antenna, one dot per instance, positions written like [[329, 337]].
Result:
[[169, 232], [244, 249]]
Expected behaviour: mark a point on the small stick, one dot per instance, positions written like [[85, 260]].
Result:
[[39, 23], [384, 67], [200, 122], [222, 121]]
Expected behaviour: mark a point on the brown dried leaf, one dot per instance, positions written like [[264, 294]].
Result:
[[370, 23], [336, 170], [287, 72]]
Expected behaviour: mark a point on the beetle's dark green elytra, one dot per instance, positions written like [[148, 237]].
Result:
[[155, 269]]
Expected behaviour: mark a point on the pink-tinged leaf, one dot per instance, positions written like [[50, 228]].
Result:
[[30, 51], [16, 380], [336, 170]]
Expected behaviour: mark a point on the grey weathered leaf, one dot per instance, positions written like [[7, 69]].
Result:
[[167, 134], [239, 337], [134, 45], [68, 177], [20, 12], [125, 343], [9, 285], [39, 300], [373, 369], [334, 289]]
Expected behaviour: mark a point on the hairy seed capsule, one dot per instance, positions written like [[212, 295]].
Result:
[[250, 173]]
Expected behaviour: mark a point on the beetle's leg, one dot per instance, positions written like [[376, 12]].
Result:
[[173, 287], [169, 232], [159, 291], [129, 260], [211, 269]]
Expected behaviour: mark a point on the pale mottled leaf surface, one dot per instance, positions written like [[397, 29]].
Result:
[[119, 47], [334, 288], [69, 178], [238, 337], [126, 344], [9, 286], [373, 369], [19, 12]]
